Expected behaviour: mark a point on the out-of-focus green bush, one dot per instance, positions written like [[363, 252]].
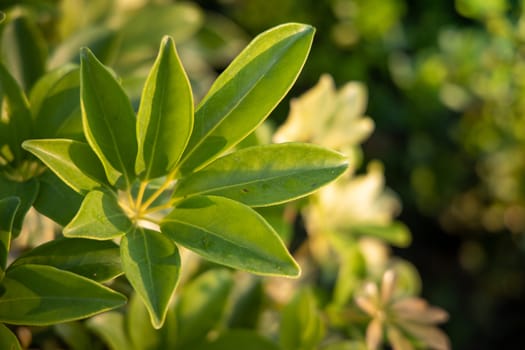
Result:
[[445, 91]]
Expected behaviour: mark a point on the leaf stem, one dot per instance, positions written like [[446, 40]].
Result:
[[157, 208], [140, 194], [157, 193]]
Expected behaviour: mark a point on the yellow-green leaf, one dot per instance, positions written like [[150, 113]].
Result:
[[229, 233], [72, 161], [40, 295], [8, 340], [96, 260], [151, 263], [99, 217], [201, 306], [108, 120], [266, 175], [8, 208], [247, 91], [165, 117]]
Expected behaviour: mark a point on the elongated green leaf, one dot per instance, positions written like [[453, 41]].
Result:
[[16, 122], [109, 326], [246, 302], [8, 340], [72, 161], [42, 295], [145, 28], [201, 306], [101, 40], [352, 267], [55, 103], [165, 117], [141, 333], [240, 339], [151, 263], [301, 325], [395, 233], [8, 208], [100, 217], [97, 260], [75, 335], [108, 119], [23, 49], [229, 233], [247, 91], [26, 193], [266, 175], [56, 200]]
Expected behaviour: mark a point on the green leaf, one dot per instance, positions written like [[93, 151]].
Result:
[[229, 233], [100, 217], [301, 324], [200, 306], [281, 218], [55, 103], [72, 161], [144, 28], [240, 339], [109, 327], [352, 268], [24, 49], [26, 193], [395, 233], [8, 208], [165, 117], [247, 91], [75, 335], [108, 119], [141, 333], [8, 340], [101, 40], [40, 295], [246, 302], [56, 200], [16, 122], [266, 175], [151, 263], [96, 260]]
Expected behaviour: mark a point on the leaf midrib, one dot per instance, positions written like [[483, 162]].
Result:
[[232, 242], [239, 101], [157, 123], [267, 179], [113, 139], [152, 295]]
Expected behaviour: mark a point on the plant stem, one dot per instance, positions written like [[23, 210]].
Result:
[[158, 192], [140, 194], [157, 208]]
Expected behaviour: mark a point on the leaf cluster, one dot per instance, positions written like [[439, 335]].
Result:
[[151, 182]]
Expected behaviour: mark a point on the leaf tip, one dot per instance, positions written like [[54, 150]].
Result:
[[167, 40], [85, 53], [294, 271], [26, 145]]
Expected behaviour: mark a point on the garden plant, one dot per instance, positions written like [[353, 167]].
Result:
[[174, 218]]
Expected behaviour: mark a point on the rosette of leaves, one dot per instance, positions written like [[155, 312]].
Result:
[[159, 179]]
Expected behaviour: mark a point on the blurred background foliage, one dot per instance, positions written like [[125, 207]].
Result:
[[446, 92], [445, 84]]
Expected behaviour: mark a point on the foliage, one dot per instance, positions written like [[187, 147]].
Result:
[[149, 194]]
